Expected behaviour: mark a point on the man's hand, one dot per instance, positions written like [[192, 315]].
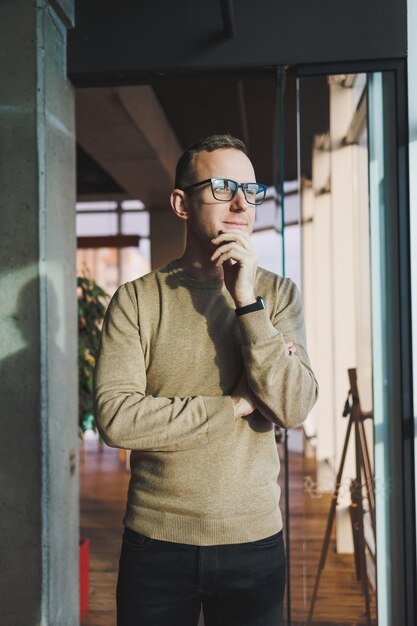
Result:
[[243, 403], [239, 260], [291, 347]]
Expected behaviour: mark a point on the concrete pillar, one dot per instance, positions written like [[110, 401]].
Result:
[[39, 519], [167, 236]]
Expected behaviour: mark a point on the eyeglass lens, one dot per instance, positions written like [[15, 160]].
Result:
[[225, 189]]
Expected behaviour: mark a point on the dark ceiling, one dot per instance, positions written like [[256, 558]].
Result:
[[190, 51], [244, 106], [92, 179], [123, 42]]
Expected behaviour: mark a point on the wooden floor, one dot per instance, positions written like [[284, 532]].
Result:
[[104, 483]]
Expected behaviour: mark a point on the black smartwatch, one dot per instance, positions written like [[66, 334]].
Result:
[[249, 308]]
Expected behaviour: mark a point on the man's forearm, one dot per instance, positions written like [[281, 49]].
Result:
[[138, 422]]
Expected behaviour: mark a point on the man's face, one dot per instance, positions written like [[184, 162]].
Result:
[[209, 217]]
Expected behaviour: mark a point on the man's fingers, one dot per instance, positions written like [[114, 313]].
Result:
[[232, 254], [242, 238], [232, 251], [226, 248]]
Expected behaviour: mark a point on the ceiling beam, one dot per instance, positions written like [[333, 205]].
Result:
[[126, 131], [109, 241]]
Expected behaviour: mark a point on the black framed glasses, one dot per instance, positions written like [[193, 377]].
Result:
[[224, 190]]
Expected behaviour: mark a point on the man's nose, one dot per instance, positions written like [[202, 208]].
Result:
[[239, 202]]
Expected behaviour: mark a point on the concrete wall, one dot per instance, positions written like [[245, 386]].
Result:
[[39, 523]]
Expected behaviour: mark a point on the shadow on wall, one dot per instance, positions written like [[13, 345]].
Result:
[[21, 421]]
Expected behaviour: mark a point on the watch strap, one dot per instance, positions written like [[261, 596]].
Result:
[[249, 308]]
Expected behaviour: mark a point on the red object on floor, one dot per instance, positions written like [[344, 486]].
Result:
[[84, 575]]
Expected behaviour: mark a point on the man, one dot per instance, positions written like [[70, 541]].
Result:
[[196, 364]]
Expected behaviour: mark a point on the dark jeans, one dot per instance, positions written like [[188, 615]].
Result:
[[162, 583]]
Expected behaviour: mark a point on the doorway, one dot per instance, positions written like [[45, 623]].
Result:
[[133, 136], [332, 233]]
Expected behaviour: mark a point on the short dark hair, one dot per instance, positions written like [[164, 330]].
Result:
[[185, 171]]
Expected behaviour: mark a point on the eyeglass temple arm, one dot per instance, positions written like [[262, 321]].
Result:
[[202, 182]]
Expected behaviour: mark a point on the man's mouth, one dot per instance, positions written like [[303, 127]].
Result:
[[235, 223]]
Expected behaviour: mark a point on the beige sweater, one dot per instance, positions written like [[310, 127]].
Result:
[[171, 353]]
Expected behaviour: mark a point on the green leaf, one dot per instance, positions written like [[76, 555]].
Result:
[[92, 304]]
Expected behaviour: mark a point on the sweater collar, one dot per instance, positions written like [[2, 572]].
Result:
[[184, 277]]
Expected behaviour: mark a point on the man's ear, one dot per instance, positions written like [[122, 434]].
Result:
[[178, 204]]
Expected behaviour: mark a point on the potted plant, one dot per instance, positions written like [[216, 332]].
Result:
[[92, 302]]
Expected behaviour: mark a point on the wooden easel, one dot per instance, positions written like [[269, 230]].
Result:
[[364, 477]]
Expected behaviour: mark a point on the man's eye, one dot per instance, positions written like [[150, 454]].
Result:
[[221, 186]]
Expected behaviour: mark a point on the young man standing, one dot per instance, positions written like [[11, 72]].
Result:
[[198, 360]]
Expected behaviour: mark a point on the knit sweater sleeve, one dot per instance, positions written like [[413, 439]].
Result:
[[126, 416], [283, 383]]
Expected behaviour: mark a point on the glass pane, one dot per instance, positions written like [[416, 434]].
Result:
[[101, 265], [110, 267], [266, 237], [136, 224], [386, 339], [132, 205], [330, 458], [102, 205], [292, 232], [100, 224]]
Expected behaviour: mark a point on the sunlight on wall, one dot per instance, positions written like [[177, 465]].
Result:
[[12, 318]]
